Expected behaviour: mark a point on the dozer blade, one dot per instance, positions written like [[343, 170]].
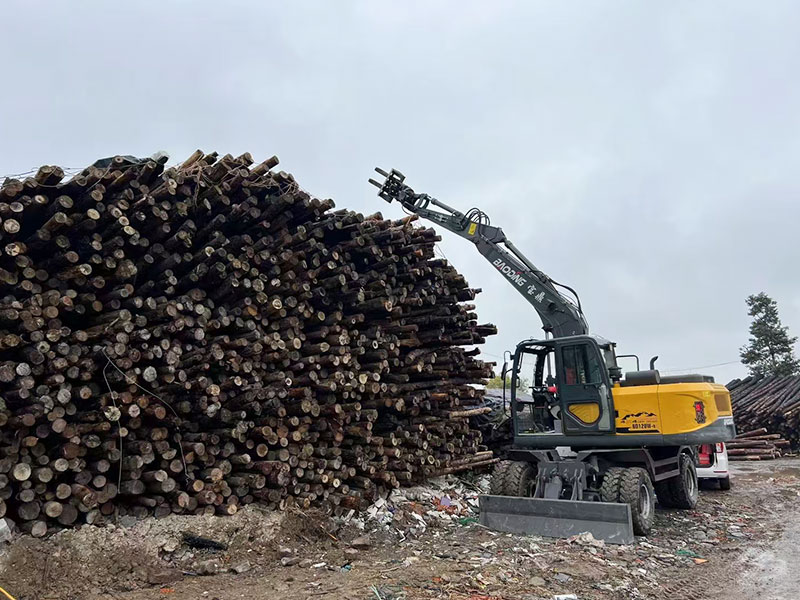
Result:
[[606, 521]]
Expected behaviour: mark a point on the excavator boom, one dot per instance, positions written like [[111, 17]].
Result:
[[560, 316]]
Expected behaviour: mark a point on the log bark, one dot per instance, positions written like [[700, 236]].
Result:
[[193, 338]]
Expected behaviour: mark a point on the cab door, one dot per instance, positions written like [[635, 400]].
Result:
[[584, 389]]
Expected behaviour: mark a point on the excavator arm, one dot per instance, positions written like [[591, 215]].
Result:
[[560, 316]]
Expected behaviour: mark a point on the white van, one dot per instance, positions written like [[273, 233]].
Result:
[[712, 463]]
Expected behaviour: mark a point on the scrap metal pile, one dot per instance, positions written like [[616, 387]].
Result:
[[195, 338], [769, 403]]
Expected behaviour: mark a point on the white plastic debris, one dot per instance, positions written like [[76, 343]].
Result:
[[5, 531], [440, 502]]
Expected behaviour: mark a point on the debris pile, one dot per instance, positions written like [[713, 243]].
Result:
[[757, 445], [771, 403], [191, 339], [439, 502], [478, 562]]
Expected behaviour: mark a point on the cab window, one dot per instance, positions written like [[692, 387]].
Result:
[[581, 365]]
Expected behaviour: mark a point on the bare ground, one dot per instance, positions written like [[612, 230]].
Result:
[[737, 545], [770, 568]]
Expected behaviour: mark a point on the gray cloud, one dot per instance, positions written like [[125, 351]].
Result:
[[643, 153]]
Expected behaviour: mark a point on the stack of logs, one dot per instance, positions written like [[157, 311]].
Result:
[[771, 403], [195, 338], [758, 444]]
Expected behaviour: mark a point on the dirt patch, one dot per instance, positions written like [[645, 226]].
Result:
[[311, 526], [123, 557]]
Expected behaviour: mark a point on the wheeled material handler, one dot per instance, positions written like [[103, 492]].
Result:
[[593, 448]]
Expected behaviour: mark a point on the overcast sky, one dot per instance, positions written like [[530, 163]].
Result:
[[644, 153]]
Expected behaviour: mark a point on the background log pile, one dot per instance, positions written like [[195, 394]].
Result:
[[771, 403], [195, 338], [758, 444]]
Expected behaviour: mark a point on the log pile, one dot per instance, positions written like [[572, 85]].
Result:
[[758, 444], [195, 338], [770, 403]]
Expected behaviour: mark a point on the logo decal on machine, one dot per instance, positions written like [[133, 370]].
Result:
[[510, 272], [699, 412], [515, 276], [641, 422]]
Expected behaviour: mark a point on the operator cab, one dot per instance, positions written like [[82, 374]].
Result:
[[569, 380]]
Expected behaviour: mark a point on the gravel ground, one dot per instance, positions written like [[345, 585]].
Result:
[[768, 570], [737, 545]]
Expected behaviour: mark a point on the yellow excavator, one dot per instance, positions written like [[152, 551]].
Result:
[[593, 447]]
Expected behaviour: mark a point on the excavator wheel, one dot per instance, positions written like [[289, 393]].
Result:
[[680, 491], [513, 478], [609, 489], [631, 486], [497, 484]]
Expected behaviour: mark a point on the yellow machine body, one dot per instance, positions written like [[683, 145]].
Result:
[[669, 409], [587, 408], [663, 414]]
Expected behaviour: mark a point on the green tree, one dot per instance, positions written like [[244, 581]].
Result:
[[497, 383], [770, 350]]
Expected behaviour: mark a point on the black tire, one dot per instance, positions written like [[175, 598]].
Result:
[[633, 487], [681, 491], [520, 479], [513, 478], [609, 489], [725, 484], [497, 485]]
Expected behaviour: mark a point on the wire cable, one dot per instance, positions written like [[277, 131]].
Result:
[[119, 425], [6, 594], [722, 364], [133, 381]]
